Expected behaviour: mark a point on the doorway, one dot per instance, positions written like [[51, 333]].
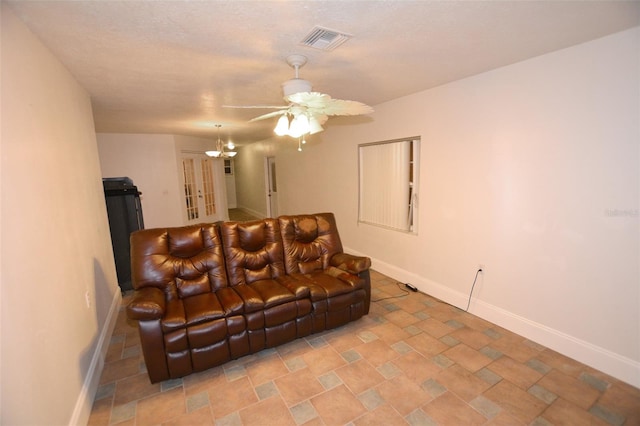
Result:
[[272, 187], [203, 200]]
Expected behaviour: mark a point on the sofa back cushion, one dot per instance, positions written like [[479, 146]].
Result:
[[309, 241], [253, 250], [184, 261]]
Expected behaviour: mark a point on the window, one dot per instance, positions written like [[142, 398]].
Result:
[[228, 166], [388, 183]]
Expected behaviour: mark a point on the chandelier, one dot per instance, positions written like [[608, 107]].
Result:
[[219, 151]]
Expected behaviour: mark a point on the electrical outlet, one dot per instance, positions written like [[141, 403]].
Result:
[[87, 299], [482, 267]]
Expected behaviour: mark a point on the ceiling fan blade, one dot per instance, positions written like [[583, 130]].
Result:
[[321, 119], [344, 107], [309, 99], [323, 104], [315, 106], [268, 115], [256, 106]]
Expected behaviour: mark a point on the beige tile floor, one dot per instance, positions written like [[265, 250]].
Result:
[[241, 215], [413, 360]]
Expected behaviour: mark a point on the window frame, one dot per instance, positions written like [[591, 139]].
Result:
[[228, 166], [413, 169]]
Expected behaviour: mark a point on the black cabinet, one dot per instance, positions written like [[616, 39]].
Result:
[[125, 216]]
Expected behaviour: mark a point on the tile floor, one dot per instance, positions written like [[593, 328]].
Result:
[[241, 215], [413, 360]]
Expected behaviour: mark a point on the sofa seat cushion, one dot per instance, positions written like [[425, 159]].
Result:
[[299, 288], [328, 284], [202, 308], [264, 294]]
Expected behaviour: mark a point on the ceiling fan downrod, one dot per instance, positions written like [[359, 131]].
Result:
[[296, 84], [296, 62]]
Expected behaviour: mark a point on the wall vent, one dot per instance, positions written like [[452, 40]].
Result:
[[324, 38]]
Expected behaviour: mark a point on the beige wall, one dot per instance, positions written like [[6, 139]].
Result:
[[151, 162], [523, 170], [55, 239], [250, 178]]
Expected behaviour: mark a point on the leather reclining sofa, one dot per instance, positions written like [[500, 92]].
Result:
[[208, 293]]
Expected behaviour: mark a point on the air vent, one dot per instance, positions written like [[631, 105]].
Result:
[[324, 38]]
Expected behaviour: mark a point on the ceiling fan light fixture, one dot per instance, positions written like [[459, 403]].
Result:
[[295, 85], [299, 126], [314, 126], [307, 111], [282, 128], [215, 154]]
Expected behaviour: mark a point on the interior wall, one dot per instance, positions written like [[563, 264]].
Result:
[[153, 162], [150, 161], [59, 288], [531, 170], [250, 177], [230, 183]]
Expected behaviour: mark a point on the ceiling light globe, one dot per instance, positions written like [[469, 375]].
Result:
[[299, 126], [282, 128], [314, 126]]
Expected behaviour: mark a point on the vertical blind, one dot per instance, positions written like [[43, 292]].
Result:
[[385, 184]]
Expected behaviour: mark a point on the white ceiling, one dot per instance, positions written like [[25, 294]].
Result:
[[170, 66]]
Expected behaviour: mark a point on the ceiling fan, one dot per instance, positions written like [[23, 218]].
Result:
[[306, 111]]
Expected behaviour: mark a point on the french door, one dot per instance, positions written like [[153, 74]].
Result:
[[200, 194]]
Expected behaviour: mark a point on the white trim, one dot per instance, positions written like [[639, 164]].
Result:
[[84, 403], [616, 365]]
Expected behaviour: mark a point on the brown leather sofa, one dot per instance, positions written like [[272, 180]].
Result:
[[209, 293]]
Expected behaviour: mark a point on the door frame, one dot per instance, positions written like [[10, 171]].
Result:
[[270, 199], [220, 192]]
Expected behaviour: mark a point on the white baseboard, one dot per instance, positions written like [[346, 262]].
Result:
[[618, 366], [84, 403], [611, 363]]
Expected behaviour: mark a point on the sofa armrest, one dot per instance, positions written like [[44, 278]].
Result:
[[350, 263], [148, 303]]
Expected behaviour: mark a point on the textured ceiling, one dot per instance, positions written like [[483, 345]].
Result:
[[170, 66]]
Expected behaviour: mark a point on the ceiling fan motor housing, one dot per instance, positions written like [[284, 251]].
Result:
[[295, 85]]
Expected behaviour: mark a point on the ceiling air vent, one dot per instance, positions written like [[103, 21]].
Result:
[[324, 38]]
